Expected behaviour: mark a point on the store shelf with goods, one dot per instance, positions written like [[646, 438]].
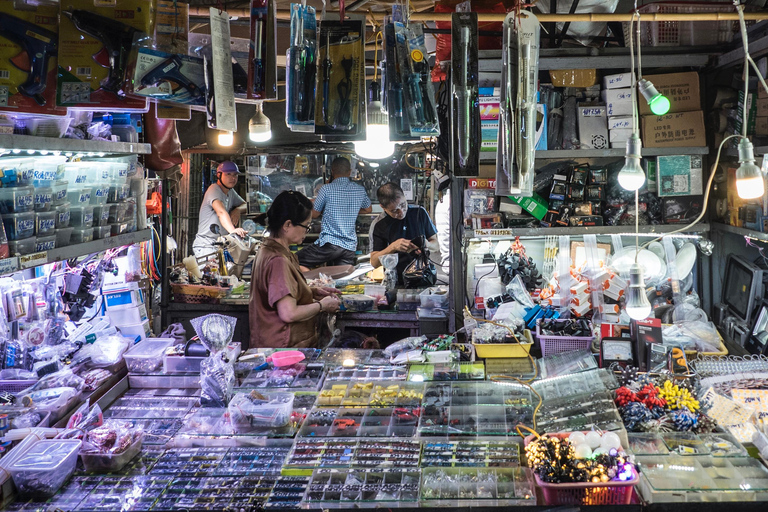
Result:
[[759, 151], [645, 231], [13, 264], [28, 143], [735, 230], [604, 58], [556, 154]]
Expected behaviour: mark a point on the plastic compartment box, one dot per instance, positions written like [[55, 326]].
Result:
[[118, 192], [79, 196], [117, 212], [45, 243], [100, 232], [99, 194], [147, 356], [81, 216], [358, 302], [45, 223], [63, 215], [181, 364], [48, 170], [119, 229], [16, 172], [101, 215], [434, 297], [60, 192], [44, 468], [110, 462], [64, 236], [77, 173], [245, 414], [54, 127], [82, 235], [16, 200], [19, 225], [22, 247], [43, 199]]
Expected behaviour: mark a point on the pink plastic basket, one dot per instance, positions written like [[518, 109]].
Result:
[[551, 345], [609, 493]]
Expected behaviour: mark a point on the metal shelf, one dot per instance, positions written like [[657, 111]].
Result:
[[647, 230], [555, 154], [30, 143], [14, 264], [604, 58], [759, 150], [727, 228]]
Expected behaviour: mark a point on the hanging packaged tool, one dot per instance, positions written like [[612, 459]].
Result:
[[301, 70], [415, 75], [527, 96], [340, 96], [262, 55], [399, 129], [465, 111], [507, 175]]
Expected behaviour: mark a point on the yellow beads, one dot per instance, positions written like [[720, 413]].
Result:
[[677, 397]]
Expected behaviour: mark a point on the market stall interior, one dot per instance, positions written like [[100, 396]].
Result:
[[266, 255]]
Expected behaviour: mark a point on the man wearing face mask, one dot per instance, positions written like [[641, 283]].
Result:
[[402, 223], [221, 206]]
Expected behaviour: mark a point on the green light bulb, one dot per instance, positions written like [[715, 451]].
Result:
[[659, 104]]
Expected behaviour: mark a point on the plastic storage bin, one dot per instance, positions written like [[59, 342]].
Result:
[[110, 462], [19, 225], [247, 415], [119, 229], [16, 172], [22, 247], [63, 215], [54, 127], [100, 194], [181, 364], [44, 468], [101, 215], [81, 235], [60, 192], [100, 232], [434, 297], [147, 356], [77, 174], [358, 302], [556, 344], [117, 212], [79, 196], [45, 223], [16, 199], [64, 236], [45, 243], [119, 192], [49, 169], [495, 350], [81, 216], [43, 199]]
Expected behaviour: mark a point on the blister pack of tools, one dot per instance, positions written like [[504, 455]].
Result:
[[262, 64], [301, 70], [465, 112], [340, 92], [419, 94]]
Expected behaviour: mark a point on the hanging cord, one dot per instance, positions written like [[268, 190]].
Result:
[[376, 54], [632, 73]]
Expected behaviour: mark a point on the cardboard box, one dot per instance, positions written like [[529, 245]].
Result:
[[593, 126], [751, 113], [541, 127], [618, 81], [489, 134], [682, 89], [680, 210], [620, 122], [761, 126], [649, 166], [580, 78], [489, 108], [674, 130], [762, 107], [618, 101], [621, 135], [535, 205], [644, 332], [679, 175]]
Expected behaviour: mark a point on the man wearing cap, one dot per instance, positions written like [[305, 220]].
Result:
[[221, 206]]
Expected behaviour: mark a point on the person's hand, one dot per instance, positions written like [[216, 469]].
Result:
[[241, 232], [402, 245], [325, 291], [330, 304], [234, 216]]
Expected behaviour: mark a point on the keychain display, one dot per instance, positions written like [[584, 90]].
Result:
[[301, 70], [465, 112], [340, 92]]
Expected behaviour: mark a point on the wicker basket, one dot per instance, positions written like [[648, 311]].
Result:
[[197, 293]]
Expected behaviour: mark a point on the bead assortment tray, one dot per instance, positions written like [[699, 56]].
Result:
[[216, 493], [477, 486], [367, 373], [476, 393], [371, 394], [579, 412], [453, 370], [141, 407], [361, 422], [350, 485], [317, 453], [297, 376], [561, 387], [470, 454], [123, 493]]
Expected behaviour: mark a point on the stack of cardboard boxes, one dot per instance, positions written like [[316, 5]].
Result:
[[618, 98], [683, 126]]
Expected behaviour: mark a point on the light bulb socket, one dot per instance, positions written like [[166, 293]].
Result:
[[746, 151], [647, 89], [636, 276], [374, 92], [634, 147], [259, 126]]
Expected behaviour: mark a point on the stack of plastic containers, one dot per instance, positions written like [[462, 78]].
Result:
[[17, 204]]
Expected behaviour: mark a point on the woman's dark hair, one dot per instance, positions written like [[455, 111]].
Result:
[[288, 205]]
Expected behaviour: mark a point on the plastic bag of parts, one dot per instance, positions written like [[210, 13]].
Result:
[[217, 379], [214, 331], [61, 379], [113, 437], [582, 31], [517, 289], [260, 410], [52, 399], [84, 419], [696, 334], [103, 352], [405, 345]]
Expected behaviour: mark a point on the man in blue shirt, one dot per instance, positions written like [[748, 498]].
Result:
[[339, 202]]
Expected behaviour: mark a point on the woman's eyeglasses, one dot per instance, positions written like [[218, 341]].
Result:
[[305, 227]]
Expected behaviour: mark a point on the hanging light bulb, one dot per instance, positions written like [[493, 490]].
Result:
[[637, 305], [259, 127], [631, 176], [749, 177], [226, 138], [657, 102], [376, 144]]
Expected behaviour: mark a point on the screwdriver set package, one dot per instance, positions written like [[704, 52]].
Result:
[[465, 99], [301, 71], [419, 94]]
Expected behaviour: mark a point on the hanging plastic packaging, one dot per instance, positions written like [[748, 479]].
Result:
[[394, 45], [465, 111], [506, 169], [527, 95], [262, 62], [301, 70], [415, 75]]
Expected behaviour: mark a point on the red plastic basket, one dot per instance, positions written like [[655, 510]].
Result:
[[551, 345], [609, 493]]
